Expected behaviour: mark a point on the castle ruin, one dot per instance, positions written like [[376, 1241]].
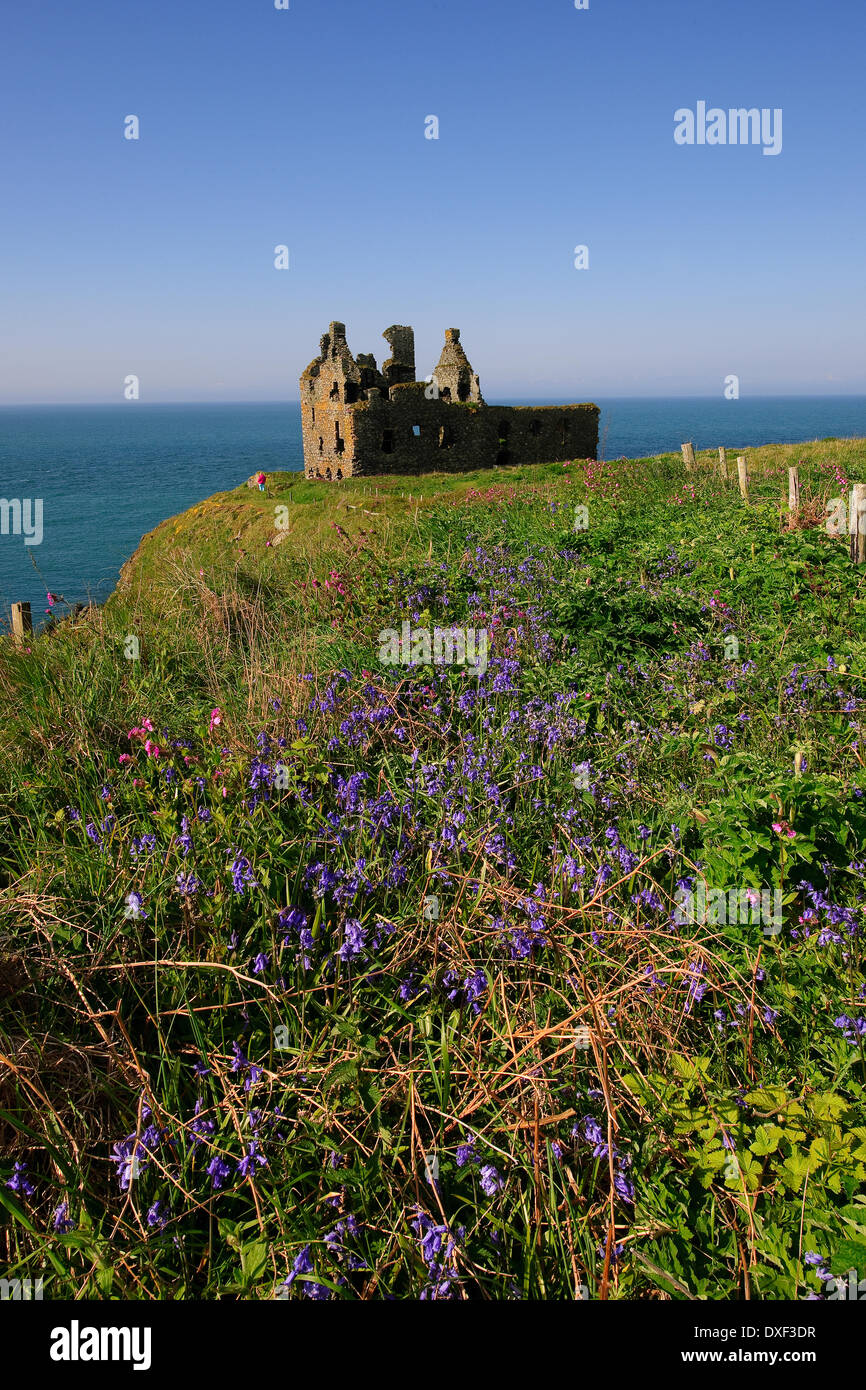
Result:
[[358, 421]]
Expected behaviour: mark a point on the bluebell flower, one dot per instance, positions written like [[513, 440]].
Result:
[[592, 1134], [127, 1154], [475, 987], [253, 1157], [136, 906], [624, 1187], [853, 1029], [491, 1180], [466, 1152], [304, 1265], [184, 839], [242, 1063], [219, 1171], [157, 1216], [242, 873], [61, 1220], [819, 1263], [19, 1181], [355, 940], [201, 1129]]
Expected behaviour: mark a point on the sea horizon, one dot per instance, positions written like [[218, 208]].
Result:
[[503, 399]]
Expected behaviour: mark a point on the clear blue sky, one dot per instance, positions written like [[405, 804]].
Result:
[[306, 127]]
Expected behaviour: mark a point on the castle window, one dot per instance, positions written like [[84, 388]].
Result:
[[463, 389], [504, 427], [313, 421], [321, 445], [387, 441], [446, 436], [351, 392], [416, 430], [339, 442], [535, 427], [335, 391]]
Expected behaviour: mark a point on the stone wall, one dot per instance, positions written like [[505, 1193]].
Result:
[[410, 434]]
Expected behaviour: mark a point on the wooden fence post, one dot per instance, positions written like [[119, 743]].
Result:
[[743, 475], [22, 621], [723, 462], [688, 456], [793, 494], [857, 523]]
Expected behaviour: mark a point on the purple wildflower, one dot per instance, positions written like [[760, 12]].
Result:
[[19, 1181]]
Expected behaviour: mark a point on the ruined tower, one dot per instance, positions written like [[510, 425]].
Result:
[[400, 366], [357, 420], [454, 374]]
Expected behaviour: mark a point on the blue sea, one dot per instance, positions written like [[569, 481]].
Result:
[[107, 474]]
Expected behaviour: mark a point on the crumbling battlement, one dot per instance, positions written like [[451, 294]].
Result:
[[358, 421]]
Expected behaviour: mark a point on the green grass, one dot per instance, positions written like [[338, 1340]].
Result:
[[675, 695]]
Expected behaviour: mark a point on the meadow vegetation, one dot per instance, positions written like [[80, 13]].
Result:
[[324, 978]]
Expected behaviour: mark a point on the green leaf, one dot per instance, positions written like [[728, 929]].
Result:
[[794, 1170], [254, 1258], [343, 1074], [767, 1140], [849, 1254], [827, 1106]]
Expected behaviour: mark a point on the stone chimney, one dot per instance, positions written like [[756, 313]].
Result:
[[400, 366]]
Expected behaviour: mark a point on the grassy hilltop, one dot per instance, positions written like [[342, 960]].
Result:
[[323, 977]]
